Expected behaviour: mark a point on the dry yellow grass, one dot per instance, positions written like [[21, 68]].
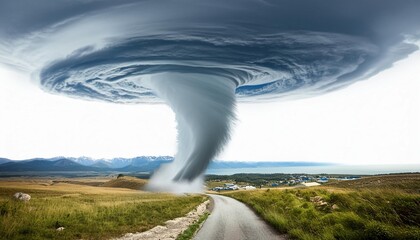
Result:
[[62, 188], [126, 182], [399, 182], [86, 212]]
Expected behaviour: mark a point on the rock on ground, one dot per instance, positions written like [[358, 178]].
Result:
[[22, 196]]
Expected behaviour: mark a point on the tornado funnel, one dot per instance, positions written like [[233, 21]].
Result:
[[202, 57]]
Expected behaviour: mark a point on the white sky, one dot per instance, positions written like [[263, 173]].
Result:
[[370, 122]]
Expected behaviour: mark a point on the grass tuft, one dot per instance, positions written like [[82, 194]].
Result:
[[192, 229]]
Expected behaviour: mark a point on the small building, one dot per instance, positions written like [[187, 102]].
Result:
[[305, 178], [348, 178], [230, 186], [323, 180]]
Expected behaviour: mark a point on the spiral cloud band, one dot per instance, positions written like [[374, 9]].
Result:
[[200, 57]]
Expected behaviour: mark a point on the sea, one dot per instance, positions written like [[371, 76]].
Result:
[[328, 169]]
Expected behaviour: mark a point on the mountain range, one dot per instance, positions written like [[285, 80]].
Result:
[[136, 164]]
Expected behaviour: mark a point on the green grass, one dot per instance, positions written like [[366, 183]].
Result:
[[409, 183], [340, 214], [85, 212], [192, 229]]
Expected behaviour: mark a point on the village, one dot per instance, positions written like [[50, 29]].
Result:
[[267, 181]]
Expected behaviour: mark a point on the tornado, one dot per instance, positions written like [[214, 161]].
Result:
[[204, 108], [202, 58]]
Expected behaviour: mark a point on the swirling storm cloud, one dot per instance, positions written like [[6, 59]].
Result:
[[201, 57]]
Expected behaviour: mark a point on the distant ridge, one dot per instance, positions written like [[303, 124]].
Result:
[[4, 160], [137, 164], [43, 165]]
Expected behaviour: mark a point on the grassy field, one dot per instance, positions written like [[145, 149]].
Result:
[[409, 183], [84, 209], [385, 207]]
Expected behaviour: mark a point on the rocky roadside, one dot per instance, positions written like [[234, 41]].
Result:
[[172, 228]]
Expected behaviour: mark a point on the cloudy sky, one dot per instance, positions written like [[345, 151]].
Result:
[[372, 121], [322, 81]]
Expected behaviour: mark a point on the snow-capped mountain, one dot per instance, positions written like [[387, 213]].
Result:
[[87, 161], [137, 164], [121, 162], [144, 164]]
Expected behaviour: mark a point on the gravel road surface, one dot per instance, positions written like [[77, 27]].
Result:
[[233, 220]]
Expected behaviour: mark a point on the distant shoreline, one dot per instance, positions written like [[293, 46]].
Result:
[[326, 169]]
